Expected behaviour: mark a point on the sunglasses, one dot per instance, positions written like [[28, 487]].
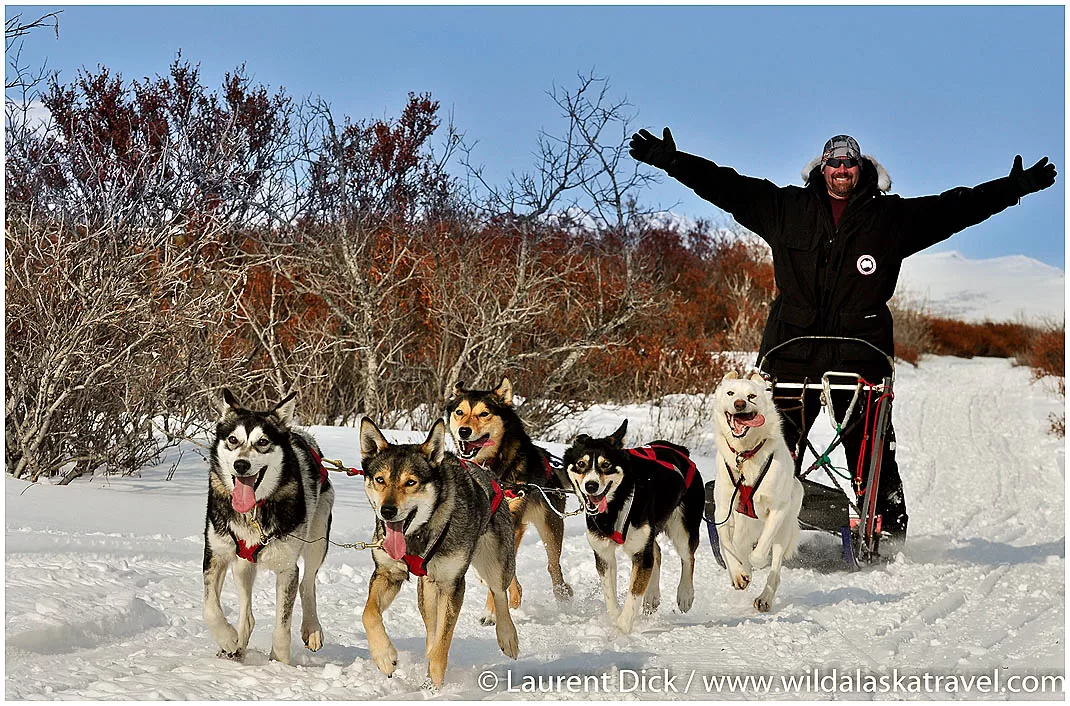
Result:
[[835, 162]]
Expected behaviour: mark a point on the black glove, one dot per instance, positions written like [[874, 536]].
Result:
[[1039, 176], [658, 153]]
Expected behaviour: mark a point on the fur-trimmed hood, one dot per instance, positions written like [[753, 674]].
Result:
[[883, 179]]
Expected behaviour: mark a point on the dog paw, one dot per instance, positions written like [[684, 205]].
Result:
[[685, 598], [625, 623], [429, 686], [651, 605], [763, 604], [741, 581], [562, 592], [313, 640], [487, 618], [509, 642], [280, 656], [238, 655], [386, 660], [516, 594]]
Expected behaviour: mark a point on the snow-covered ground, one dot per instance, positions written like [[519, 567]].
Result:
[[103, 585]]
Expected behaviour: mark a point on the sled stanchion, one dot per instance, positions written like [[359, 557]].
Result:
[[870, 524]]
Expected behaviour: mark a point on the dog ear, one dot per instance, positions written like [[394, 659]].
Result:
[[230, 400], [434, 447], [730, 375], [582, 439], [505, 391], [372, 441], [220, 404], [453, 397], [617, 437], [757, 377], [229, 405], [284, 410]]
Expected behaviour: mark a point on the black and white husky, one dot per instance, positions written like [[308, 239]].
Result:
[[757, 496], [269, 502], [631, 496]]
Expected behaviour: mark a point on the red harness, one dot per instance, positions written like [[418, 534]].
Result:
[[666, 455], [248, 551], [745, 503], [498, 493]]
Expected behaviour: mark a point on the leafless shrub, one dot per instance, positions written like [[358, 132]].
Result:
[[94, 323], [910, 321]]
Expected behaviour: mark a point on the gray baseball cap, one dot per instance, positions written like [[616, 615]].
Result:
[[842, 147]]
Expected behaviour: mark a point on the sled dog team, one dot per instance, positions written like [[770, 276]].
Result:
[[437, 513]]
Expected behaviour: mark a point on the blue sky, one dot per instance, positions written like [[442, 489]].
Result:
[[942, 96]]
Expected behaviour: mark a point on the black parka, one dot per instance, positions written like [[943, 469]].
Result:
[[836, 281]]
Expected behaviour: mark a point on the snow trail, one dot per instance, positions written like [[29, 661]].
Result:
[[104, 594]]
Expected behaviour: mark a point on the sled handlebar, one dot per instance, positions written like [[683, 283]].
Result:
[[829, 339], [878, 387]]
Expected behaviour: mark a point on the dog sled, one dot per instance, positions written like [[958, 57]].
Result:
[[848, 513]]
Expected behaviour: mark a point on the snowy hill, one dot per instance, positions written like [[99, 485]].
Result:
[[103, 585], [1000, 289]]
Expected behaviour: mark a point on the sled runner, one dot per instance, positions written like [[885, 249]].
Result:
[[849, 513]]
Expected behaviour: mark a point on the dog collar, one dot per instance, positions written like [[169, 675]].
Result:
[[747, 455]]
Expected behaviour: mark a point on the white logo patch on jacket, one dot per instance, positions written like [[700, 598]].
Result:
[[867, 264]]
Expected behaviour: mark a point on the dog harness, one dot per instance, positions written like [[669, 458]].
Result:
[[246, 551], [249, 552], [745, 505], [669, 456], [497, 494], [415, 562], [665, 455]]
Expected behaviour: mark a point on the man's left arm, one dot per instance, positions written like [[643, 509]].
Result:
[[931, 219]]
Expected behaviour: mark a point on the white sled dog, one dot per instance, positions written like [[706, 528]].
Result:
[[757, 496]]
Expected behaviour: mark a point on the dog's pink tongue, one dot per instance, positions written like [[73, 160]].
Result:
[[603, 504], [755, 421], [394, 541], [243, 499], [481, 443]]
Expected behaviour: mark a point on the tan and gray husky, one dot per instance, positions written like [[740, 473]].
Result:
[[487, 431], [434, 518]]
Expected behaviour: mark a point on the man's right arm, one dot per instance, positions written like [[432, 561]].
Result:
[[754, 203]]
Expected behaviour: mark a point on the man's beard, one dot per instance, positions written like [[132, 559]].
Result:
[[842, 189]]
